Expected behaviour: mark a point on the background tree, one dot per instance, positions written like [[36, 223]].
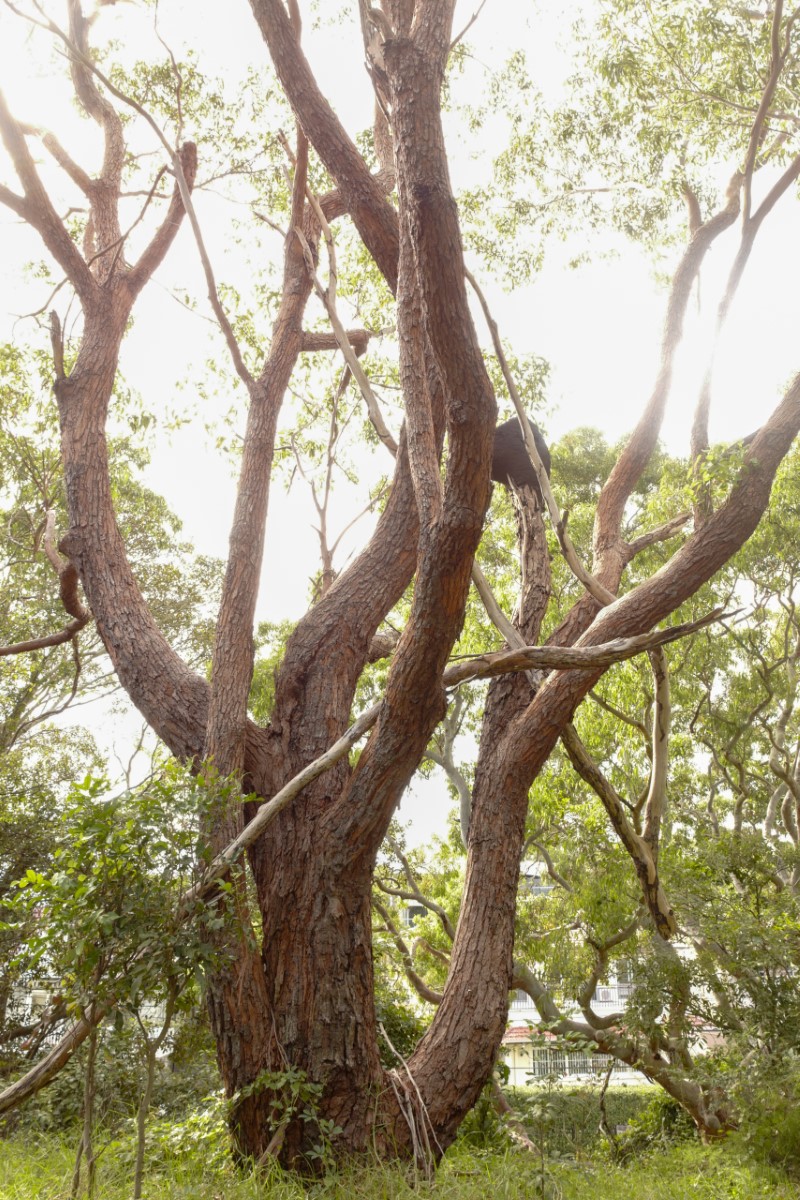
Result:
[[41, 754]]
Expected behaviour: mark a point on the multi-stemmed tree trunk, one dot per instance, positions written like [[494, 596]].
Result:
[[304, 997]]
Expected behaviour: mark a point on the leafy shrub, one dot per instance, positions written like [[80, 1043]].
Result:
[[201, 1138], [574, 1113], [770, 1107], [483, 1128], [403, 1025], [58, 1107], [661, 1123]]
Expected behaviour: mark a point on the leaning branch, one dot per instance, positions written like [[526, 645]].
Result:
[[559, 658]]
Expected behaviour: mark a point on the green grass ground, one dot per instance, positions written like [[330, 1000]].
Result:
[[40, 1169]]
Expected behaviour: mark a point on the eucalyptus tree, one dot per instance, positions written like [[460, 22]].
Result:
[[312, 822]]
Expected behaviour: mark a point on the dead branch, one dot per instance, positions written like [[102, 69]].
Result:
[[68, 593]]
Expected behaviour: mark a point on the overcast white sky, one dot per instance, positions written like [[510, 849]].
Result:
[[599, 326]]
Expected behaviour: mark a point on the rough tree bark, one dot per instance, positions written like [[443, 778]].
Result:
[[304, 997]]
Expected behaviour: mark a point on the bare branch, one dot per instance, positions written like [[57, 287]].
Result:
[[570, 657], [52, 639], [661, 534], [548, 862], [512, 635], [618, 713], [328, 298], [423, 944], [445, 760], [468, 25], [314, 341]]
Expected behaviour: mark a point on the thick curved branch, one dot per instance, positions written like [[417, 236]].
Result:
[[51, 639], [39, 210], [153, 254], [414, 701], [363, 195]]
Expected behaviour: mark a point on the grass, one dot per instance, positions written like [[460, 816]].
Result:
[[41, 1170]]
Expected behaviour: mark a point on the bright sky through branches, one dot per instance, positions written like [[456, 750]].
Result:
[[598, 324]]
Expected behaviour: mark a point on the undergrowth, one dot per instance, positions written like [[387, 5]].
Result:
[[41, 1170]]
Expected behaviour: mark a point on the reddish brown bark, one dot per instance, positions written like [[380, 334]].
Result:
[[305, 996]]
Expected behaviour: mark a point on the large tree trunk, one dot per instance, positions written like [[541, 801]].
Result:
[[300, 1003]]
